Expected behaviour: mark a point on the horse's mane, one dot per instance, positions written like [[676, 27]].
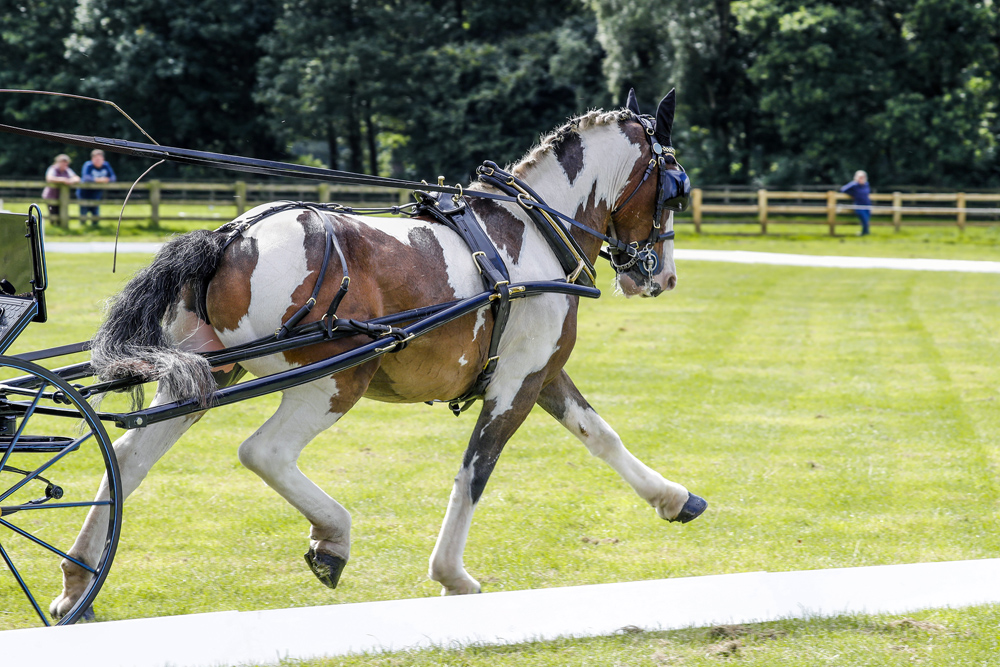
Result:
[[548, 142]]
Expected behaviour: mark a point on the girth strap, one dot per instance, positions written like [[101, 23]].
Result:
[[456, 214]]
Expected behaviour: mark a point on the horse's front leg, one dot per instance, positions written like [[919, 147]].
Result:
[[504, 410], [672, 502]]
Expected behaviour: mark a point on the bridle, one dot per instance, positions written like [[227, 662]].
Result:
[[673, 192]]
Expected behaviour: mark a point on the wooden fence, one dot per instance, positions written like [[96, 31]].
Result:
[[766, 207], [761, 208], [157, 195]]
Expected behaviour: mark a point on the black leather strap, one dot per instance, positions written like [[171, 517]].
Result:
[[457, 215]]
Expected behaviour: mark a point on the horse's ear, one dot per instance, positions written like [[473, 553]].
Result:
[[665, 117], [632, 104]]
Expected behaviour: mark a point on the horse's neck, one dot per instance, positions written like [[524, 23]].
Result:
[[583, 177]]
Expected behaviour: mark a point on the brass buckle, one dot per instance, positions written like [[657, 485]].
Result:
[[478, 265], [394, 344]]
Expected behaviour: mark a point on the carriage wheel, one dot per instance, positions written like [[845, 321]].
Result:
[[55, 456]]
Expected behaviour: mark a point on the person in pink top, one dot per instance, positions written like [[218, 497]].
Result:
[[58, 173]]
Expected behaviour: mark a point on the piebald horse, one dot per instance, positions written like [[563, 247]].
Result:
[[596, 168]]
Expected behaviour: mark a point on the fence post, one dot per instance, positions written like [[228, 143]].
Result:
[[240, 196], [897, 213], [404, 197], [696, 209], [831, 211], [762, 210], [155, 193], [323, 192], [960, 203], [64, 206]]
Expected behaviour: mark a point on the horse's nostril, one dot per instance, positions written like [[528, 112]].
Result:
[[671, 282]]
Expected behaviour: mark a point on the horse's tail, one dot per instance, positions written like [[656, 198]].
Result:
[[132, 342]]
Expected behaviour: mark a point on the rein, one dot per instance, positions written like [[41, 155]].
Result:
[[516, 191]]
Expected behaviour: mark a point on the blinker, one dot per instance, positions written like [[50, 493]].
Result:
[[676, 190]]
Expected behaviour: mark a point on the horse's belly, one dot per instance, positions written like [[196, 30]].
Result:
[[439, 366]]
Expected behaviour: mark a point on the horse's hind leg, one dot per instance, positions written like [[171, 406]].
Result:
[[137, 451], [563, 400], [272, 453]]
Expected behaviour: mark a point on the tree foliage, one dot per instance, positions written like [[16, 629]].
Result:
[[32, 58], [777, 92]]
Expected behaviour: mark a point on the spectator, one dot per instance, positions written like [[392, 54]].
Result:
[[859, 190], [58, 173], [95, 170]]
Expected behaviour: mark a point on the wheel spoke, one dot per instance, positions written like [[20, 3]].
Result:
[[45, 466], [24, 586], [24, 422], [13, 509], [48, 546]]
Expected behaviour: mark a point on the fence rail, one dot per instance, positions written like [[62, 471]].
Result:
[[761, 208], [832, 208], [238, 196]]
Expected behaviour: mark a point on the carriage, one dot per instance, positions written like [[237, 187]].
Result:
[[343, 335]]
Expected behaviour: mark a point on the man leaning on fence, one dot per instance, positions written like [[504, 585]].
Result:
[[57, 174], [95, 170], [860, 191]]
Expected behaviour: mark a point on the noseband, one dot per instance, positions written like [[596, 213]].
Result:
[[673, 192]]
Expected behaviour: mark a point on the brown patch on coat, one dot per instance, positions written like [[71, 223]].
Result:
[[569, 153], [504, 228], [388, 276], [228, 296], [596, 215]]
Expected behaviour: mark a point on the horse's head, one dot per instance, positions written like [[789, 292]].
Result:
[[642, 218]]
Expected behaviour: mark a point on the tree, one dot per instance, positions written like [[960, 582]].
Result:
[[439, 84], [904, 88], [654, 45], [32, 58], [184, 69]]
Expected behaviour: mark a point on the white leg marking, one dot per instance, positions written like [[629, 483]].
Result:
[[666, 497], [272, 453], [137, 451], [446, 566]]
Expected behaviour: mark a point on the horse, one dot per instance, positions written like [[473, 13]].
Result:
[[201, 294]]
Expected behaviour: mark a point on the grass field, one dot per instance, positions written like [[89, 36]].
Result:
[[832, 418]]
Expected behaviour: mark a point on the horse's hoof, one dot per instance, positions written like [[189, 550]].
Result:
[[326, 567], [692, 509], [88, 615]]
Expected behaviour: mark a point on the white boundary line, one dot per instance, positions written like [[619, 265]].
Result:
[[682, 254], [837, 261], [265, 637]]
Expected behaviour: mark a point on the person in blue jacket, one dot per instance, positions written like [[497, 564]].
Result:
[[860, 191], [95, 170]]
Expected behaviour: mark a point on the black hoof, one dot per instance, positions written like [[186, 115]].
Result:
[[692, 509], [326, 567]]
